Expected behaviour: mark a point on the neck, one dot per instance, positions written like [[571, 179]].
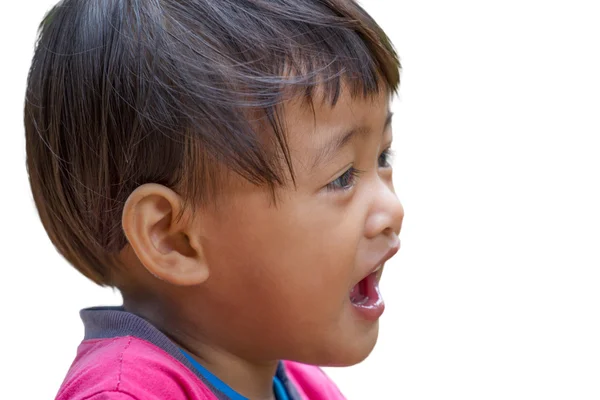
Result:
[[253, 380]]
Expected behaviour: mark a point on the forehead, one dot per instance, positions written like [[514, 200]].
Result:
[[310, 124]]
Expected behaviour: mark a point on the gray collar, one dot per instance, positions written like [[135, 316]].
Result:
[[111, 322]]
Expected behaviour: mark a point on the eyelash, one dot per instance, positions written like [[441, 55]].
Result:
[[385, 158], [348, 179]]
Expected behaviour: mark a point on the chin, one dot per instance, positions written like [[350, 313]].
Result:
[[347, 350]]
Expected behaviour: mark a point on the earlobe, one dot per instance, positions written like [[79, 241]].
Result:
[[164, 244]]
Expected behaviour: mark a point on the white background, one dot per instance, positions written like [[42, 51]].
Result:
[[496, 292]]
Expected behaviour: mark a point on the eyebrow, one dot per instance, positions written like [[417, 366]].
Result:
[[339, 141]]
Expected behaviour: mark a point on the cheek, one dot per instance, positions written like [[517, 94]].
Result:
[[284, 260], [282, 276]]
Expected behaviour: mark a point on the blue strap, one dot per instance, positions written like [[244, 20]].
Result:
[[279, 389], [280, 392]]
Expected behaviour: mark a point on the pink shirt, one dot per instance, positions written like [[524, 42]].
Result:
[[115, 363]]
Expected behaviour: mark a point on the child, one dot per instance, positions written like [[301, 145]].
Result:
[[225, 165]]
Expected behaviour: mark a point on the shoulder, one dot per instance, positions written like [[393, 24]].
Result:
[[312, 382], [128, 368]]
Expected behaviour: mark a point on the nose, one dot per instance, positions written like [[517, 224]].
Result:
[[386, 212]]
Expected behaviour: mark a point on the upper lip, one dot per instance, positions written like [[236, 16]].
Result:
[[389, 254]]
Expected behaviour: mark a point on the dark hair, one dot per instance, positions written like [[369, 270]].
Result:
[[126, 92]]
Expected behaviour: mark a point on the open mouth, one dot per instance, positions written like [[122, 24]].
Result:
[[366, 292], [365, 298]]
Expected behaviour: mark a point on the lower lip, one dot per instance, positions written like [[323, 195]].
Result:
[[373, 308]]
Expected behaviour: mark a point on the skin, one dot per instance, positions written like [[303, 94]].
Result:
[[247, 283]]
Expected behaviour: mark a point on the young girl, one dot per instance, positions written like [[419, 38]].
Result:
[[225, 165]]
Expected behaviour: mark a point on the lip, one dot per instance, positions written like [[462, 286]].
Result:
[[390, 253], [374, 307]]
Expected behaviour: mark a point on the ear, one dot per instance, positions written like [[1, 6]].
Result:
[[167, 247]]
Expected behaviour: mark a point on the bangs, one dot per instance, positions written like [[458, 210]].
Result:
[[247, 57]]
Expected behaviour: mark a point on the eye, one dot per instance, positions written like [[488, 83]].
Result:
[[346, 181], [385, 158]]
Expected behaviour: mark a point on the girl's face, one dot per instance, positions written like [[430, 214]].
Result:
[[296, 280]]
